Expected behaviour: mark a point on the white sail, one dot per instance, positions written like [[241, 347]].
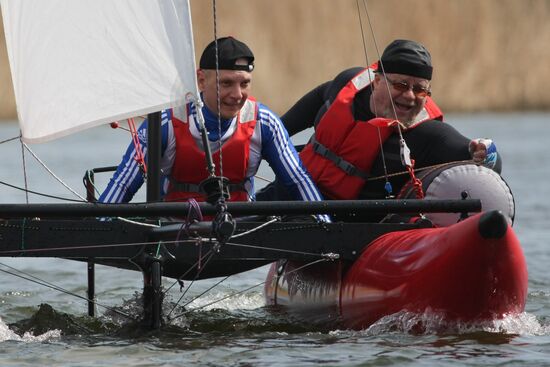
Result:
[[76, 64]]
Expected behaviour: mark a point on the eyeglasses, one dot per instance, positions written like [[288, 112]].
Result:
[[401, 86]]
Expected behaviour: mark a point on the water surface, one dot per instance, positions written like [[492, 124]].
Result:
[[240, 331]]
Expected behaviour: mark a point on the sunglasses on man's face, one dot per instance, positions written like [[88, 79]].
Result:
[[402, 86]]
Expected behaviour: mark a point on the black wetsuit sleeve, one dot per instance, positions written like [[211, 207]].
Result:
[[308, 110], [434, 142], [431, 143], [498, 165], [302, 115]]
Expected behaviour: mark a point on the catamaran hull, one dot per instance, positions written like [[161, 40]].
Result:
[[471, 271]]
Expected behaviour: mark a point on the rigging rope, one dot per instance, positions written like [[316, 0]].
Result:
[[324, 257], [419, 169], [138, 223], [39, 193], [381, 64], [387, 187], [259, 177], [11, 139], [206, 291], [179, 281], [87, 247], [191, 241], [408, 163], [231, 295], [24, 167], [415, 181], [257, 228], [51, 172], [36, 280], [199, 265], [218, 101], [312, 254], [138, 157]]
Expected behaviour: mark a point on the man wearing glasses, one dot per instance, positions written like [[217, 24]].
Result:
[[363, 117]]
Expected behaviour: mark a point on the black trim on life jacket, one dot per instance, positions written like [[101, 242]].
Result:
[[341, 163], [191, 187]]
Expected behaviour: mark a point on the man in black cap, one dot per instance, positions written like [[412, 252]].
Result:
[[352, 144], [241, 132], [235, 60]]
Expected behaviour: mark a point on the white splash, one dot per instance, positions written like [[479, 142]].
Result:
[[431, 322], [7, 334], [228, 300], [521, 324]]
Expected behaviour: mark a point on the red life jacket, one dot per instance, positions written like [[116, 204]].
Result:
[[189, 168], [343, 150]]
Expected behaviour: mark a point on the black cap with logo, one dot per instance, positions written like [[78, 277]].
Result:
[[229, 51]]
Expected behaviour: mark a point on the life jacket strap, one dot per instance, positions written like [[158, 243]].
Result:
[[191, 187], [341, 163]]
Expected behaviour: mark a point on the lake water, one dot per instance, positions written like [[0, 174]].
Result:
[[239, 331]]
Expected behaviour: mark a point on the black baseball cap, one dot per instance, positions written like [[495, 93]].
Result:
[[229, 51], [408, 58]]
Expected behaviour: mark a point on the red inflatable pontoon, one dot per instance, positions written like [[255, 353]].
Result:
[[471, 271]]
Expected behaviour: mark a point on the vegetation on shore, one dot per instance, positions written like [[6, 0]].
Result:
[[488, 55]]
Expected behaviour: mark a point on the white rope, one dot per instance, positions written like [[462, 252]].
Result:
[[138, 223], [51, 173], [262, 178], [328, 255], [24, 167], [257, 228]]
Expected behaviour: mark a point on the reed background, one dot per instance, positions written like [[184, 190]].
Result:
[[489, 55]]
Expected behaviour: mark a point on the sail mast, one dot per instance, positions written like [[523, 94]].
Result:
[[153, 157]]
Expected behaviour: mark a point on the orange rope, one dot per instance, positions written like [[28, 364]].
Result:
[[415, 181], [139, 157]]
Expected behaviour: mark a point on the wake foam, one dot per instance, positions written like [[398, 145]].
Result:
[[431, 322], [7, 334]]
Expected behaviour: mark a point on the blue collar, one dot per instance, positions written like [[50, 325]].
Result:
[[211, 123]]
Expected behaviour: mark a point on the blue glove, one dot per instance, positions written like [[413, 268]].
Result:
[[484, 152], [492, 155]]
